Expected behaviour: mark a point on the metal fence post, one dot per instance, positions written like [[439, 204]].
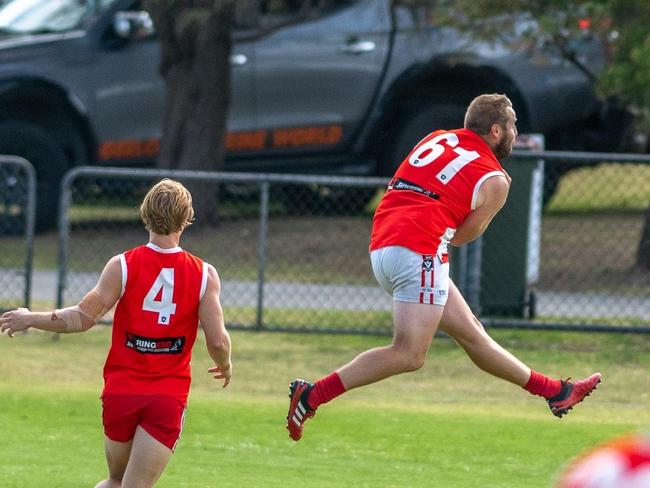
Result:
[[64, 234], [473, 275], [261, 252], [296, 293], [28, 214], [468, 277], [460, 256], [29, 231]]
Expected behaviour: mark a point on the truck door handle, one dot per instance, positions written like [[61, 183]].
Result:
[[357, 46], [238, 59]]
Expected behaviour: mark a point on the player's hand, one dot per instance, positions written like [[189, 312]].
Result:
[[15, 321], [222, 373]]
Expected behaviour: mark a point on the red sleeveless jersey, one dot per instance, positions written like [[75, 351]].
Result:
[[156, 322], [433, 191]]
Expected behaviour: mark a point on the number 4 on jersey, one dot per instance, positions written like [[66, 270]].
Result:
[[160, 296]]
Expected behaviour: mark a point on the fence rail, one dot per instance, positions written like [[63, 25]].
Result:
[[250, 244], [17, 214], [576, 158], [292, 250]]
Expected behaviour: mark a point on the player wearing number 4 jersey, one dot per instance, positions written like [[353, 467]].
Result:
[[445, 192], [162, 292]]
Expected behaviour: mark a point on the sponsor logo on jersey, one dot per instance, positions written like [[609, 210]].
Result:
[[402, 184], [155, 345]]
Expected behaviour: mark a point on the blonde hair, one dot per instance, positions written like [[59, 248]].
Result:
[[167, 208], [487, 110]]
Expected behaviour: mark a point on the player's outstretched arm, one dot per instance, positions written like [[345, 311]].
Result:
[[79, 318], [492, 196], [217, 338]]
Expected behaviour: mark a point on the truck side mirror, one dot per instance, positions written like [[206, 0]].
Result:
[[133, 25]]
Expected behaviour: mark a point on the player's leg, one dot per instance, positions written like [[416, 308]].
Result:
[[120, 415], [148, 460], [160, 426], [117, 458], [459, 322], [415, 325], [418, 284]]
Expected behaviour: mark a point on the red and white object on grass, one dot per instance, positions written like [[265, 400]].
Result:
[[622, 463]]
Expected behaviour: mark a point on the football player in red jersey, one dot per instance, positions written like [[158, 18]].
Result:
[[446, 191], [623, 462], [162, 293]]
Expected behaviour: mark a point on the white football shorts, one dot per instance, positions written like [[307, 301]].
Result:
[[411, 277]]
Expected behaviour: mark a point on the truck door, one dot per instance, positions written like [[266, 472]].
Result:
[[129, 94], [315, 78]]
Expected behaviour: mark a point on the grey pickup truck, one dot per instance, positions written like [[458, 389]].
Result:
[[347, 91]]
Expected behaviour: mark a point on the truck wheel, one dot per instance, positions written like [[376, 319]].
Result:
[[422, 119], [37, 146]]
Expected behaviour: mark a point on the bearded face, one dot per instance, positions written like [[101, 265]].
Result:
[[503, 148]]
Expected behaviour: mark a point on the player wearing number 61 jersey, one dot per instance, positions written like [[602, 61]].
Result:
[[162, 293], [446, 191], [434, 189]]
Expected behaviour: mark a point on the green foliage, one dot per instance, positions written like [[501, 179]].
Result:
[[628, 74], [567, 25]]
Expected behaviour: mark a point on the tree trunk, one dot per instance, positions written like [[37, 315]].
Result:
[[195, 39], [643, 253]]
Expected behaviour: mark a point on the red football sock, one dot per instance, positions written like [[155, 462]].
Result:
[[325, 389], [542, 385]]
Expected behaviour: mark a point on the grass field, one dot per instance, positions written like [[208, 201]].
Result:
[[606, 187], [447, 425]]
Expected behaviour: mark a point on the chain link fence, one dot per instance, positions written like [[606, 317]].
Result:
[[590, 266], [292, 250], [17, 211]]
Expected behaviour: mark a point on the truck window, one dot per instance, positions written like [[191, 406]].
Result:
[[44, 16]]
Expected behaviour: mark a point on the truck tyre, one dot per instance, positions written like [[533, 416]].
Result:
[[35, 145], [421, 119]]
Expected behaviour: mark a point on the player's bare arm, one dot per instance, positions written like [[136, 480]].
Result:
[[491, 198], [217, 338], [79, 318]]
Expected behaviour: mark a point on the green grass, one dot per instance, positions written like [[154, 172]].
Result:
[[446, 425], [605, 188], [317, 319]]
